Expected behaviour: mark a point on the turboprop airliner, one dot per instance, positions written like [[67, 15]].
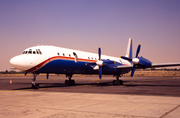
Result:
[[58, 60]]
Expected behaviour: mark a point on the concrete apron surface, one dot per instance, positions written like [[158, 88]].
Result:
[[28, 104]]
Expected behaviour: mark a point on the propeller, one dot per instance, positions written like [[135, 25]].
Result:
[[100, 63], [135, 60], [138, 61]]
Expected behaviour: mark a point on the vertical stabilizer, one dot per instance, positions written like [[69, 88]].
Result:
[[129, 49]]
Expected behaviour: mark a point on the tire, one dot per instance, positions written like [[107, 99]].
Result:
[[66, 82]]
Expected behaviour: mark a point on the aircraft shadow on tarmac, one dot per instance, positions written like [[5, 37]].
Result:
[[126, 84]]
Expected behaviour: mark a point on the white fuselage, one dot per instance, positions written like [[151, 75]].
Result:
[[36, 57]]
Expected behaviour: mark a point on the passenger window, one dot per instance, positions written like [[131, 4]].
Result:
[[69, 55], [58, 54], [95, 59], [92, 58], [88, 58], [63, 54]]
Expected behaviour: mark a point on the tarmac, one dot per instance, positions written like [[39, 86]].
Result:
[[27, 103]]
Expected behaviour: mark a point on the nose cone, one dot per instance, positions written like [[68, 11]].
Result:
[[15, 62], [18, 62]]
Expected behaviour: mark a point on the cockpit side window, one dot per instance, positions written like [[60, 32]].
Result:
[[30, 51], [39, 51]]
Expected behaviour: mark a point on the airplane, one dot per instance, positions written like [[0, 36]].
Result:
[[51, 59]]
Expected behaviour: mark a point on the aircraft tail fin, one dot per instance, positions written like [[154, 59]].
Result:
[[129, 49]]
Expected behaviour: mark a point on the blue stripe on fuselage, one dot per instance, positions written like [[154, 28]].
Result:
[[60, 66]]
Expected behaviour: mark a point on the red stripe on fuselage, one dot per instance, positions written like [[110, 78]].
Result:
[[55, 58]]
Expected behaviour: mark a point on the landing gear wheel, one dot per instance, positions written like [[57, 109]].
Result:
[[35, 86], [116, 82], [66, 82], [120, 82], [72, 82], [69, 82]]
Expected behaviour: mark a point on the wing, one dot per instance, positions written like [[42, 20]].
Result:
[[129, 67], [165, 64], [123, 67]]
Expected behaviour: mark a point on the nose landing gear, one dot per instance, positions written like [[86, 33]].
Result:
[[34, 85]]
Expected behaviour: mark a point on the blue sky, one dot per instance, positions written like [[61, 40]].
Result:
[[88, 24]]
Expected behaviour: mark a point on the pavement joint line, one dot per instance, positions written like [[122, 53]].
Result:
[[113, 91], [14, 90], [109, 113], [103, 113], [170, 111], [155, 79], [147, 80]]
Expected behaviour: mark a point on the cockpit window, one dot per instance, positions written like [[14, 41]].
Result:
[[30, 51]]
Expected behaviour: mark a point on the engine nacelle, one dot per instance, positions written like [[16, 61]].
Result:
[[144, 62]]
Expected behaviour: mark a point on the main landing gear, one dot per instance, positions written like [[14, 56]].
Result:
[[117, 81], [70, 81], [34, 85]]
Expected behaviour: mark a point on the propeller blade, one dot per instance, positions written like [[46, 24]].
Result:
[[138, 50], [99, 53], [100, 72], [126, 58], [133, 70], [100, 63]]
